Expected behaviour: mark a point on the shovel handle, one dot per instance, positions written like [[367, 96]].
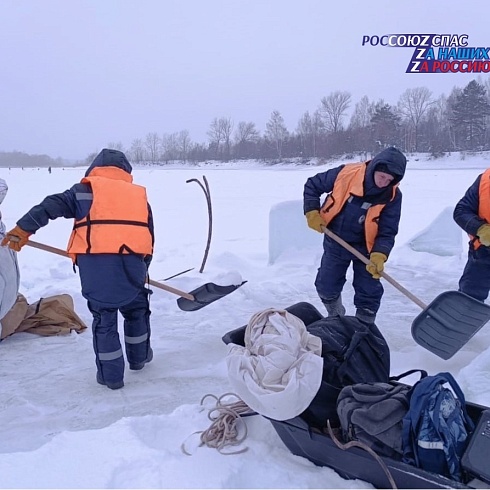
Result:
[[383, 274], [58, 251], [172, 290]]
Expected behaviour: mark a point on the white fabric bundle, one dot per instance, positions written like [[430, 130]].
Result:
[[279, 371]]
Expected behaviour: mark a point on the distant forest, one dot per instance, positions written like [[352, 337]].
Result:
[[20, 159], [419, 122]]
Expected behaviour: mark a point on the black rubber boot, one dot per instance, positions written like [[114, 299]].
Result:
[[141, 365], [365, 315], [334, 306], [113, 386]]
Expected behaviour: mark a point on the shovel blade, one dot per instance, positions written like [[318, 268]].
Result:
[[205, 295], [449, 322]]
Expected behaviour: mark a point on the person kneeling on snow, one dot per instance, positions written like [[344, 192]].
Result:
[[9, 273], [112, 245], [363, 208], [54, 315]]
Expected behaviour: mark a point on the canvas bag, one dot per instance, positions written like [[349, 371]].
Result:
[[352, 352], [436, 426], [54, 315], [373, 413]]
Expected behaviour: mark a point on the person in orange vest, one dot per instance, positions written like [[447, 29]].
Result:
[[112, 245], [472, 214], [362, 207]]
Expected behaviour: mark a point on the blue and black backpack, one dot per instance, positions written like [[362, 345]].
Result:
[[436, 427]]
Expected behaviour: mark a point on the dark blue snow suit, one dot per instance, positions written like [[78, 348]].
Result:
[[475, 280], [110, 282], [349, 225]]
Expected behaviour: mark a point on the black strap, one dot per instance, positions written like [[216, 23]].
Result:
[[38, 306], [110, 222], [422, 372]]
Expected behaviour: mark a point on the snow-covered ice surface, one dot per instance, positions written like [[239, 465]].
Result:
[[60, 429]]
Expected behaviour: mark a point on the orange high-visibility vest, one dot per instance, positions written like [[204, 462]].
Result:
[[118, 219], [483, 203], [350, 182]]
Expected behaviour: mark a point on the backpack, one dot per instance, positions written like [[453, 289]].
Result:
[[373, 413], [352, 352], [436, 426]]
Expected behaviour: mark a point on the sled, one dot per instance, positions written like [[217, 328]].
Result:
[[355, 463], [195, 300], [447, 323]]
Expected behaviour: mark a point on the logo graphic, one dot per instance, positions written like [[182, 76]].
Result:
[[436, 53]]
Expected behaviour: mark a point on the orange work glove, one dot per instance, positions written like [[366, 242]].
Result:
[[315, 221], [484, 234], [377, 264], [16, 238]]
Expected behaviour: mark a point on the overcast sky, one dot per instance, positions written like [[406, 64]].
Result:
[[78, 74]]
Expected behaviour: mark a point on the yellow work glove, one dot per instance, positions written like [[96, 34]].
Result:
[[377, 264], [315, 221], [16, 238], [484, 234]]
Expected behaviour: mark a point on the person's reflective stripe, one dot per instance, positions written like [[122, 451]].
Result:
[[84, 196], [110, 356], [364, 205], [136, 340]]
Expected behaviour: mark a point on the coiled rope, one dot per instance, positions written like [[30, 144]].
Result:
[[226, 425]]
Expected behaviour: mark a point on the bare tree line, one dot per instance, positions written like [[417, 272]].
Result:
[[418, 122]]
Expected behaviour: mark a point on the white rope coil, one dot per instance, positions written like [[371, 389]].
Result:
[[227, 428]]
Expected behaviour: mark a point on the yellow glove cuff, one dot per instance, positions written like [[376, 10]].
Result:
[[376, 264], [484, 234], [315, 221], [378, 257]]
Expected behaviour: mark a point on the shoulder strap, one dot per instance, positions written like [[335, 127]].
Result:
[[422, 372]]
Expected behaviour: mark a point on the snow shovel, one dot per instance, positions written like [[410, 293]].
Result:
[[195, 300], [447, 323]]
